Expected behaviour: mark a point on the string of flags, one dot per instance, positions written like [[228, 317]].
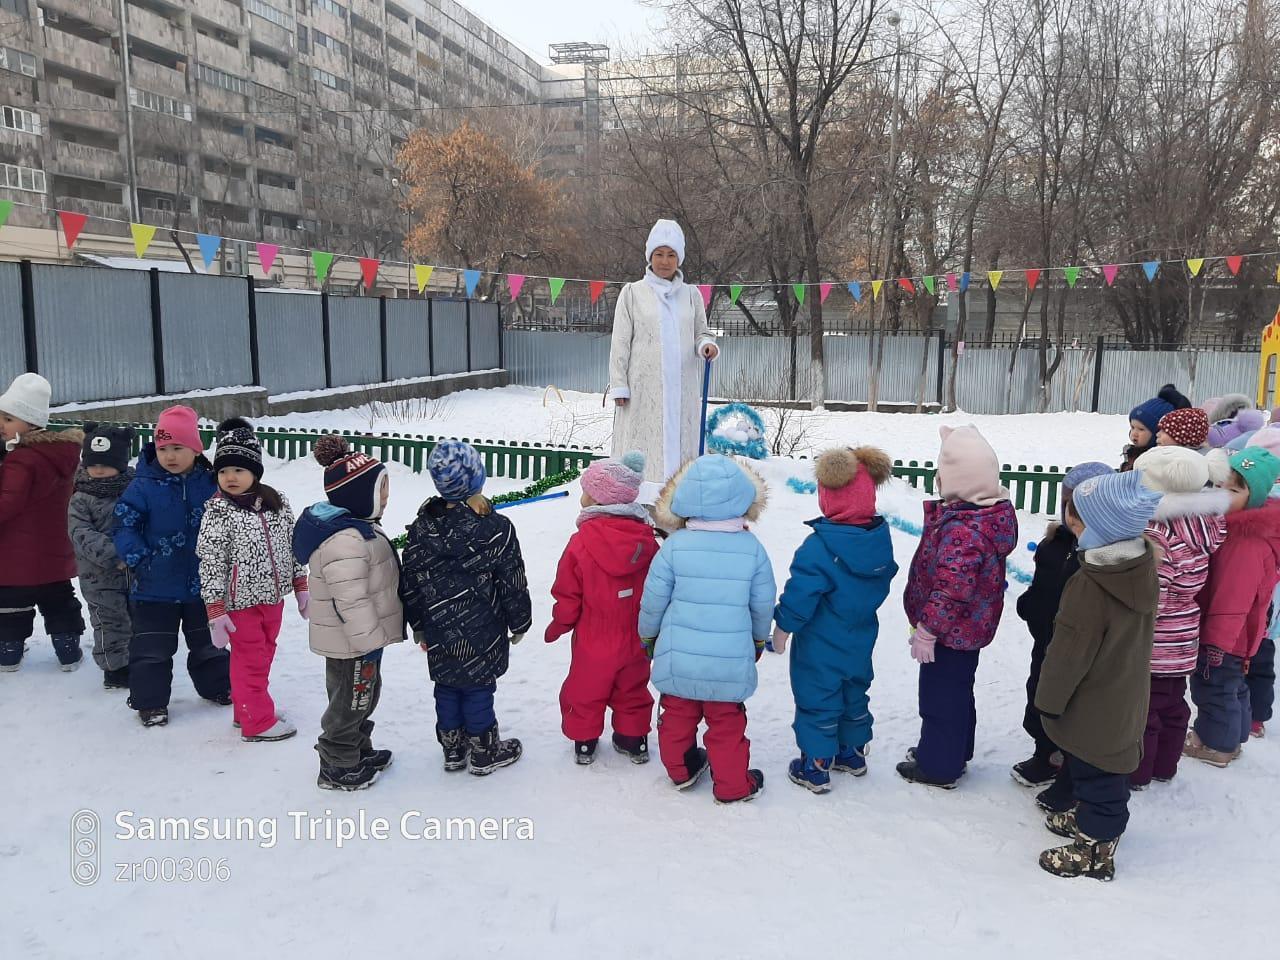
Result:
[[72, 224]]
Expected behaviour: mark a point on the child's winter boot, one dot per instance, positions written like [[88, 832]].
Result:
[[1196, 749], [584, 751], [487, 752], [1058, 797], [1083, 857], [1062, 824], [115, 679], [812, 773], [851, 760], [1257, 729], [1036, 771], [67, 648], [359, 777], [695, 764], [280, 730], [11, 652], [454, 744], [157, 717], [910, 771], [757, 787], [379, 760], [637, 748]]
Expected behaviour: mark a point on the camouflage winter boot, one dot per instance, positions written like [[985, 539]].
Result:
[[454, 744], [1063, 824], [1084, 857], [488, 751]]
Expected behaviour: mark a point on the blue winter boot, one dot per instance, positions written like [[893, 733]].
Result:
[[812, 773], [11, 652], [67, 648], [851, 760]]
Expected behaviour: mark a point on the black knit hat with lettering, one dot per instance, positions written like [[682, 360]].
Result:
[[351, 479], [238, 446]]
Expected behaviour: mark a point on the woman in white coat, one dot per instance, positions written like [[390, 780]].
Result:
[[660, 340]]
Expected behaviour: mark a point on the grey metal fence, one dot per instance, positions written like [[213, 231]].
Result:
[[103, 334]]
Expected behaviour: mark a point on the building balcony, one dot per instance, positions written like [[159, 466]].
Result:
[[160, 175], [236, 230], [26, 216], [66, 104], [221, 189], [153, 28], [96, 208], [84, 56], [156, 78], [100, 13], [224, 145], [217, 54], [270, 35], [278, 159], [23, 148], [279, 199], [91, 163], [219, 100], [283, 236], [224, 14], [272, 75]]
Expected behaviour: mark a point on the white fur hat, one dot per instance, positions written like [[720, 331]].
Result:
[[1173, 470], [28, 399], [665, 233]]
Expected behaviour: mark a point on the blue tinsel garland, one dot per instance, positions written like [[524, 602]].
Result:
[[752, 449]]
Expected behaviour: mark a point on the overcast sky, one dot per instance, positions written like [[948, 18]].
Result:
[[535, 26]]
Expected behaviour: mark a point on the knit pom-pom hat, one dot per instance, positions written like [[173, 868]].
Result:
[[847, 480], [1149, 412], [351, 480], [614, 481], [238, 446]]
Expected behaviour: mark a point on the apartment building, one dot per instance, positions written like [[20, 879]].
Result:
[[272, 120]]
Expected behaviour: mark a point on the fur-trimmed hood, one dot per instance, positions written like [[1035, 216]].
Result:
[[36, 438], [1202, 503], [1263, 521], [712, 487], [60, 449]]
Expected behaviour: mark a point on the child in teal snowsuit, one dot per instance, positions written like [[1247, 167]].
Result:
[[839, 578]]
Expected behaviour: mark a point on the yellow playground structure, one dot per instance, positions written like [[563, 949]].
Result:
[[1267, 385]]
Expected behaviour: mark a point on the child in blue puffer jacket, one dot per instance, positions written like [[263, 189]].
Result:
[[708, 601], [157, 521], [839, 578]]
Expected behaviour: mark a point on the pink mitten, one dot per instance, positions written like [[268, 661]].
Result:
[[779, 642], [922, 644], [220, 630], [304, 602]]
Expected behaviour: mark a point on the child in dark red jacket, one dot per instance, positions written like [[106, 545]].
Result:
[[954, 598], [36, 558], [1234, 603], [597, 591]]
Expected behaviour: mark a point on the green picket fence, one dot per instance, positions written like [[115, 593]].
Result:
[[1034, 489]]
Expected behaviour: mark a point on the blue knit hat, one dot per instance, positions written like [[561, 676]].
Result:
[[1166, 401], [1113, 508], [1084, 471], [456, 469]]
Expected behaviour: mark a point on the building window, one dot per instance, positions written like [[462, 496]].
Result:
[[21, 7], [331, 6], [220, 78], [302, 39], [22, 178], [145, 100], [324, 40], [268, 12], [329, 80], [17, 61], [24, 120]]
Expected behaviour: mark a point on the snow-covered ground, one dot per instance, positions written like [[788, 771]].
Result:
[[548, 416], [620, 864]]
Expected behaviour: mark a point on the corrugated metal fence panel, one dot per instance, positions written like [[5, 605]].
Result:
[[485, 331], [13, 356], [205, 326], [571, 361], [1130, 376], [93, 329], [408, 349], [290, 342], [355, 343], [449, 325]]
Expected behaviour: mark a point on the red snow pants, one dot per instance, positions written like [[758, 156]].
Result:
[[606, 673], [728, 749]]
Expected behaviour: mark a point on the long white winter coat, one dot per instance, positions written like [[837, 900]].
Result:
[[659, 330]]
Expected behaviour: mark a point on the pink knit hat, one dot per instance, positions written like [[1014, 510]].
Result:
[[847, 481], [614, 481], [177, 425], [968, 468]]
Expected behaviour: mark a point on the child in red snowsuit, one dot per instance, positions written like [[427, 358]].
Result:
[[597, 591]]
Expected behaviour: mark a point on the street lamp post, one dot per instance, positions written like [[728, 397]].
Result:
[[408, 225]]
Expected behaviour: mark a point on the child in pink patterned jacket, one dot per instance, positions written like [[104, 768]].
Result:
[[954, 598]]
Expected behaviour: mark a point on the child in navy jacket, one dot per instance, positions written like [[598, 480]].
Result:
[[839, 578]]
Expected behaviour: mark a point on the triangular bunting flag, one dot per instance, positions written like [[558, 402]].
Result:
[[875, 289], [994, 277], [705, 289], [824, 291], [322, 262], [931, 284], [735, 291], [369, 271], [267, 253], [1233, 264], [472, 280], [953, 282], [1109, 273], [143, 234], [798, 290], [1072, 274], [1278, 274], [556, 284], [906, 284], [1033, 277], [1194, 264], [1150, 268], [596, 287], [72, 224], [855, 291], [6, 207], [964, 281], [515, 282], [422, 276], [209, 247]]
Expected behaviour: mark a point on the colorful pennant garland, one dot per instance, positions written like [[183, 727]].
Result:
[[6, 208], [209, 247], [1233, 264], [595, 288], [72, 224], [931, 284], [876, 285], [798, 289], [994, 277], [1033, 277], [556, 284], [1194, 264], [706, 290], [1151, 268], [1109, 272], [369, 271], [855, 291], [472, 280], [824, 291], [515, 283], [906, 284], [735, 291], [1072, 274], [267, 253], [143, 234], [422, 276], [321, 261]]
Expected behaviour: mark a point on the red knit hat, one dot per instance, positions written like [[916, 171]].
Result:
[[847, 480], [1188, 427]]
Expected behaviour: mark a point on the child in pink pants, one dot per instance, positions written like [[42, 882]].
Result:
[[247, 568]]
